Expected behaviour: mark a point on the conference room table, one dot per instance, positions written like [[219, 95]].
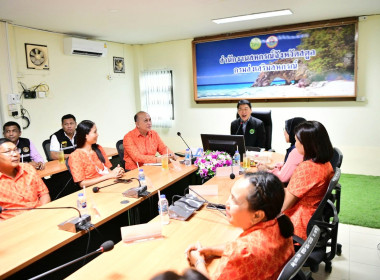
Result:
[[34, 234], [54, 166], [143, 260]]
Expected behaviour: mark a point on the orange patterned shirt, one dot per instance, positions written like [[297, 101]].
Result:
[[23, 191], [258, 253], [84, 166], [309, 184], [142, 149]]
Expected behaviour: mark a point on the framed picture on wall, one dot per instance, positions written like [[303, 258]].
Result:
[[313, 61], [36, 56], [118, 65]]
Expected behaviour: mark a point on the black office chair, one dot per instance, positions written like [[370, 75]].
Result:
[[120, 151], [266, 118], [326, 218], [293, 267], [46, 147]]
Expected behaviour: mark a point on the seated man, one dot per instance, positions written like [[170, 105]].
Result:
[[64, 138], [142, 143], [253, 129], [20, 186], [28, 152]]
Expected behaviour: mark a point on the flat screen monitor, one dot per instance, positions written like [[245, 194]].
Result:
[[225, 143]]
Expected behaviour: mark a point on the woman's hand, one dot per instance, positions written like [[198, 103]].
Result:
[[117, 172]]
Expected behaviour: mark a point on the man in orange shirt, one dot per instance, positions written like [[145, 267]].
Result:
[[20, 185], [142, 143]]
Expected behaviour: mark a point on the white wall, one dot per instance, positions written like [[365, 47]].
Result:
[[352, 125], [78, 85]]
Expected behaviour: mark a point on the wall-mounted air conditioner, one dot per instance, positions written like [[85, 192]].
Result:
[[84, 47]]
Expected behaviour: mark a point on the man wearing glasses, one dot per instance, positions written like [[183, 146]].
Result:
[[20, 186], [253, 129]]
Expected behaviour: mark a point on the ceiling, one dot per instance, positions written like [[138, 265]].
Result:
[[152, 21]]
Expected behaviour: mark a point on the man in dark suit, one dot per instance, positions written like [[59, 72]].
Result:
[[253, 129]]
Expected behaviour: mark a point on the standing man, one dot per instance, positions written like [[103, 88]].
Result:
[[142, 143], [253, 129], [64, 138], [20, 186], [28, 152]]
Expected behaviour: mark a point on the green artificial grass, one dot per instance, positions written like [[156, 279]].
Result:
[[360, 203]]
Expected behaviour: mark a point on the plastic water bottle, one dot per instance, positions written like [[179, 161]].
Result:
[[165, 209], [141, 175], [237, 158], [82, 204], [188, 157]]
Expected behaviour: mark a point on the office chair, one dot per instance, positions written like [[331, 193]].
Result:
[[46, 147], [293, 267], [326, 218], [120, 151], [266, 118], [336, 161]]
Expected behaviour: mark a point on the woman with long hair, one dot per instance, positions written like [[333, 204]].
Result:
[[311, 178], [89, 164], [284, 170], [265, 245]]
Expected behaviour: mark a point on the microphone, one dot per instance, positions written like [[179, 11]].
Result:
[[191, 153], [232, 175], [96, 189], [241, 122], [140, 191], [212, 205], [72, 224], [105, 247]]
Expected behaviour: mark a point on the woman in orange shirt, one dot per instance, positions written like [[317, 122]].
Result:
[[89, 164], [265, 245], [311, 178]]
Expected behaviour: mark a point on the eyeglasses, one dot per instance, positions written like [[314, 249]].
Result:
[[9, 152]]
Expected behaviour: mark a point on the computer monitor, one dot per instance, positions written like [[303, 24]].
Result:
[[225, 143]]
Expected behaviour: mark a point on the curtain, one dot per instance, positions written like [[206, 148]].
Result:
[[157, 96]]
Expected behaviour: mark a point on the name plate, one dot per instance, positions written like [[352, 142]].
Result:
[[141, 232]]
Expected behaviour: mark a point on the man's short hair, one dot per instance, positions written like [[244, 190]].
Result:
[[68, 116], [244, 102], [11, 123], [137, 114], [4, 140]]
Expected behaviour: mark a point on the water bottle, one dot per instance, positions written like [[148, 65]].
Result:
[[165, 209], [237, 158], [82, 204], [141, 175], [188, 157]]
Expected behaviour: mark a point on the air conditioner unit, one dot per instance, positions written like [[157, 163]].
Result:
[[84, 47]]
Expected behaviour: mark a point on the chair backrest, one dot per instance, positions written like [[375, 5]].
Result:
[[46, 147], [266, 118], [318, 214], [120, 151], [337, 158], [295, 264]]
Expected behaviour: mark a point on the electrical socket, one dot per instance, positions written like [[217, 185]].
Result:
[[13, 98]]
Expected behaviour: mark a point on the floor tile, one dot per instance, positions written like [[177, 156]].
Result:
[[364, 239], [373, 231], [364, 255], [359, 271]]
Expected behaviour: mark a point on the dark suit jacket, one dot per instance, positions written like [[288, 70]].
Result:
[[254, 133]]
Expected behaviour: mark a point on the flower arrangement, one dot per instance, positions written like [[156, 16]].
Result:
[[210, 160]]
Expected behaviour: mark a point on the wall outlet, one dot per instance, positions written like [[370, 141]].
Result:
[[41, 94], [13, 109], [13, 98]]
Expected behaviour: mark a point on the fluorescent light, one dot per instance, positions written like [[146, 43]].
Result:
[[253, 16]]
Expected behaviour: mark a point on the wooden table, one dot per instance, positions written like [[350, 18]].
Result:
[[32, 235], [143, 260], [54, 167]]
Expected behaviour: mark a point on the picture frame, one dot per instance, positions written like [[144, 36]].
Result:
[[118, 64], [37, 56], [303, 62]]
